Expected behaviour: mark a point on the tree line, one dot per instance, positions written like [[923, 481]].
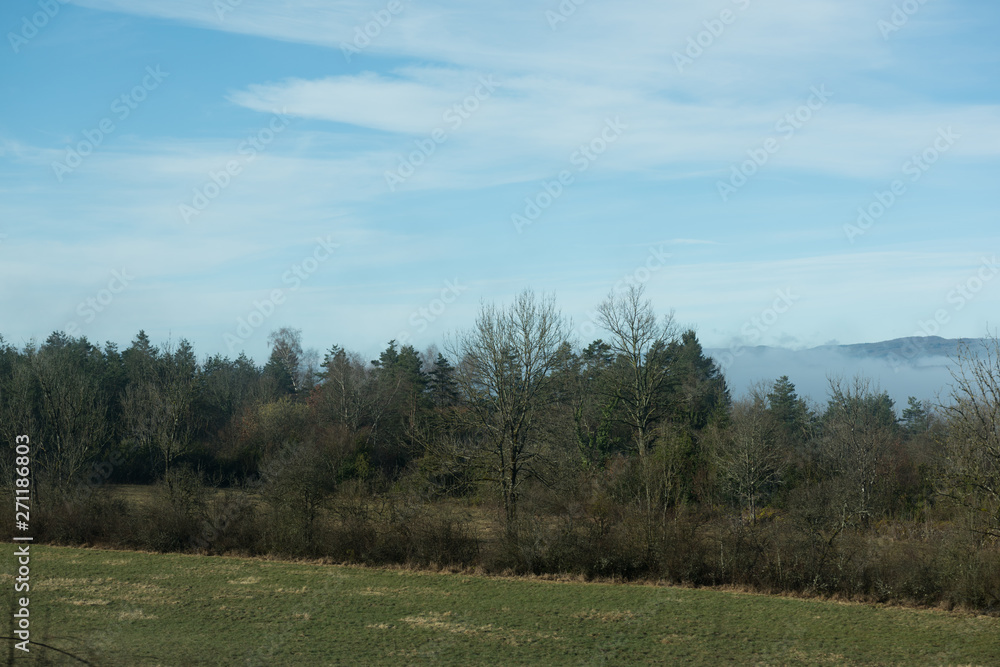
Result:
[[627, 457]]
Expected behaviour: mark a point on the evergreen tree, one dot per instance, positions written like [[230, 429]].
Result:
[[441, 383], [139, 359], [699, 393], [276, 372], [916, 416], [790, 411]]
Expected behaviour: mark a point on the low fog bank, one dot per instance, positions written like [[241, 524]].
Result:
[[926, 377]]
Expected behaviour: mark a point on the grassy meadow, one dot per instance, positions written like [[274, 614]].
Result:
[[126, 608]]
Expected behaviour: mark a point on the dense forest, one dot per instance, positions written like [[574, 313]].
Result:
[[516, 450]]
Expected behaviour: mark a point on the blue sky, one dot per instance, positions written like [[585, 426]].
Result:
[[257, 162]]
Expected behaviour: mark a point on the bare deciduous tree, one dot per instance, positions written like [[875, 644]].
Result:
[[351, 393], [158, 414], [154, 423], [505, 365], [639, 339], [17, 398], [286, 350], [73, 410], [859, 432], [748, 455], [971, 465]]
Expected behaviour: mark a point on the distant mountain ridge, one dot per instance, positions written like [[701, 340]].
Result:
[[918, 366], [905, 348], [897, 349]]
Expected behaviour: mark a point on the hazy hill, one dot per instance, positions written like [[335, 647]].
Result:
[[914, 366]]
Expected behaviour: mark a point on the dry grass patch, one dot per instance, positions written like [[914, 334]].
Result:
[[605, 616], [443, 621], [293, 591], [107, 587]]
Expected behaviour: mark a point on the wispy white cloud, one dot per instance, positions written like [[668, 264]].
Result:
[[556, 88], [605, 60], [528, 121]]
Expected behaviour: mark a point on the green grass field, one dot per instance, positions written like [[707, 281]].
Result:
[[123, 608]]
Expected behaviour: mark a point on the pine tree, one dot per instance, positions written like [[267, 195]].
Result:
[[441, 383], [787, 407], [916, 417]]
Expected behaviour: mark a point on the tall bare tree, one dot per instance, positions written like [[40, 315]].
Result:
[[287, 354], [504, 370], [748, 455], [352, 394], [158, 413], [639, 340], [72, 410], [971, 464], [860, 429], [153, 423], [18, 394]]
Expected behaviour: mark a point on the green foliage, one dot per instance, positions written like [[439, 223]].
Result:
[[441, 383], [699, 394], [790, 411], [917, 416]]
